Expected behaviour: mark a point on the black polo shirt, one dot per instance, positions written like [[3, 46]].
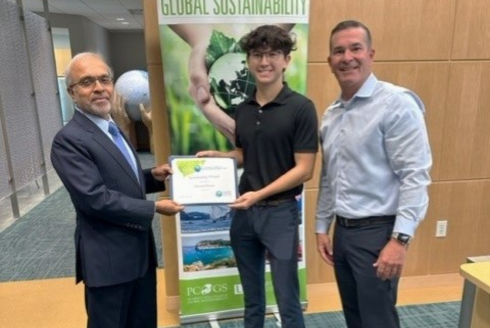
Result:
[[270, 136]]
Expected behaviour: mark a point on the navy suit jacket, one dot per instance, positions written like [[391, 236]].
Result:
[[113, 236]]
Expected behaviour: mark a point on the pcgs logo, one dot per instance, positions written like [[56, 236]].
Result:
[[207, 289]]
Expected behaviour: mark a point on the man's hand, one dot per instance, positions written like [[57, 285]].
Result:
[[161, 172], [146, 118], [119, 114], [168, 207], [391, 260], [208, 153], [246, 200], [324, 247]]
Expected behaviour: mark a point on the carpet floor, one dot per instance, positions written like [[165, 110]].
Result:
[[40, 245], [435, 315]]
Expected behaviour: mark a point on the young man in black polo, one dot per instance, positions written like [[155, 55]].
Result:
[[276, 143]]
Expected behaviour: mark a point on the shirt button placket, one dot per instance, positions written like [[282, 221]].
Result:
[[341, 155], [259, 117]]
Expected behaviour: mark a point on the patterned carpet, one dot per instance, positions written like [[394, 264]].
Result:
[[40, 245], [435, 315]]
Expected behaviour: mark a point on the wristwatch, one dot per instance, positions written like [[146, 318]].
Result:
[[402, 238]]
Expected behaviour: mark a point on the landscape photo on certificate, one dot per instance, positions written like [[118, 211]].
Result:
[[208, 251], [203, 218]]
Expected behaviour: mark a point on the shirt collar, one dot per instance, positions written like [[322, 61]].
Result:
[[367, 88], [99, 121], [280, 99], [366, 91]]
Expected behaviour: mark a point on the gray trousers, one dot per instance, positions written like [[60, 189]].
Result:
[[367, 301], [273, 229]]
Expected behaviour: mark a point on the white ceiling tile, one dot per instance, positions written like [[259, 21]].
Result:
[[141, 20], [132, 4], [73, 8], [104, 1], [107, 9], [101, 12]]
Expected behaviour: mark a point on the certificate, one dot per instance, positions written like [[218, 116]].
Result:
[[203, 180]]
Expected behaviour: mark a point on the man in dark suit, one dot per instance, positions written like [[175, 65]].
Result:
[[115, 247]]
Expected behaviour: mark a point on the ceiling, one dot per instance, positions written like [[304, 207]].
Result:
[[110, 14]]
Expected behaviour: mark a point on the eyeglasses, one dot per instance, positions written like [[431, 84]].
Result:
[[271, 56], [90, 81]]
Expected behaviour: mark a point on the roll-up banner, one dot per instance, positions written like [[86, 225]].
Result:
[[199, 40]]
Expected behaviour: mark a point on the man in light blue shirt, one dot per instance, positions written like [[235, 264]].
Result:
[[375, 174]]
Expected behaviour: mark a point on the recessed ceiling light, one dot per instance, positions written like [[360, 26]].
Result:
[[125, 23], [120, 19]]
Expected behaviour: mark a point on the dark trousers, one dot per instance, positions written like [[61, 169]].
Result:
[[273, 229], [367, 301], [129, 305]]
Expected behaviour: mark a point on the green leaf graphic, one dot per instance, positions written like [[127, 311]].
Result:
[[219, 45], [188, 167]]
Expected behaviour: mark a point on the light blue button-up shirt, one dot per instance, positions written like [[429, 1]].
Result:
[[104, 126], [376, 157]]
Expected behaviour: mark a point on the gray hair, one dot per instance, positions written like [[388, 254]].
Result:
[[78, 57]]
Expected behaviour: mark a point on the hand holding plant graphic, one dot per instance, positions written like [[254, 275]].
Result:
[[198, 37]]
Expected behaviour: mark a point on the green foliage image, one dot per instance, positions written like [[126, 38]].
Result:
[[231, 81]]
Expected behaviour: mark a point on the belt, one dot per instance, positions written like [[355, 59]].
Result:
[[275, 202], [363, 222]]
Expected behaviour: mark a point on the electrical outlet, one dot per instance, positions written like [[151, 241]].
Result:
[[441, 228]]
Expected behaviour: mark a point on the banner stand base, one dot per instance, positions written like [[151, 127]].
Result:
[[278, 318], [213, 323]]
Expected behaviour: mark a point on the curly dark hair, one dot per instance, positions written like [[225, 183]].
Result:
[[268, 36]]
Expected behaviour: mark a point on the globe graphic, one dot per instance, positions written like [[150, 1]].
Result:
[[231, 81], [134, 88]]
